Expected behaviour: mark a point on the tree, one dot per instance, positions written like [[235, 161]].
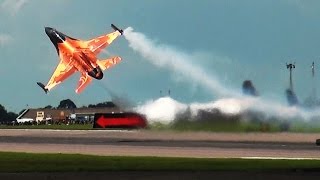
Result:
[[6, 116], [3, 113], [48, 107], [11, 116], [67, 103], [103, 104]]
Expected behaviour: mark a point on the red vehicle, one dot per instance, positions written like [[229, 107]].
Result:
[[119, 120]]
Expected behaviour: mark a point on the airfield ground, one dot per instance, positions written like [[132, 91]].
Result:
[[75, 166], [161, 143], [196, 126], [152, 154]]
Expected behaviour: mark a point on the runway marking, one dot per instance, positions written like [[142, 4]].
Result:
[[280, 158]]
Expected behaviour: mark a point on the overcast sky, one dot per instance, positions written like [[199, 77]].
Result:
[[235, 40]]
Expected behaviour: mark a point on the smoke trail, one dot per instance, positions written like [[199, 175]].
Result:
[[13, 6], [5, 39], [166, 109], [163, 110], [121, 101], [167, 57]]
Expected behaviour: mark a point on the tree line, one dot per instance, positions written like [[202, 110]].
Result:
[[6, 115], [69, 104]]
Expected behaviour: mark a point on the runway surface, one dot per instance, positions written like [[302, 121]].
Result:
[[162, 143]]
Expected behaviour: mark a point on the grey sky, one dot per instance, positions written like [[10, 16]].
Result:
[[233, 40]]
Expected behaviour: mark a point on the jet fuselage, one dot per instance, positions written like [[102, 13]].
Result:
[[80, 56], [82, 59]]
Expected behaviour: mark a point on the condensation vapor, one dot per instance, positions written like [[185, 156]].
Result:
[[229, 101], [167, 57]]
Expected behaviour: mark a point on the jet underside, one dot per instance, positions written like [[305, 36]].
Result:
[[80, 56]]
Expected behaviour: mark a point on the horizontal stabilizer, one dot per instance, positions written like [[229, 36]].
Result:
[[117, 29], [108, 63], [83, 83], [43, 87]]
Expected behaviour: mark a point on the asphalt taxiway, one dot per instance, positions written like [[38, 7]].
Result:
[[163, 143]]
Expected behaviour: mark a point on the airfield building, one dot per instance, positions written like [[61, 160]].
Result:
[[63, 115]]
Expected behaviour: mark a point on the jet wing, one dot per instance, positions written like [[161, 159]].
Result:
[[83, 83], [99, 43], [64, 70], [85, 79]]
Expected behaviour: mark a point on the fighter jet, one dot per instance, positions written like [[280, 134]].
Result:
[[79, 55]]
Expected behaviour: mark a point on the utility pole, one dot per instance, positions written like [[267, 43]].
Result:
[[313, 81], [312, 67], [290, 67]]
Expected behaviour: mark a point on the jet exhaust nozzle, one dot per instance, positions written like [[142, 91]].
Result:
[[43, 87], [96, 73], [117, 29]]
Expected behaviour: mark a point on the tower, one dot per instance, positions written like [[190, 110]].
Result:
[[314, 93], [290, 67], [291, 96]]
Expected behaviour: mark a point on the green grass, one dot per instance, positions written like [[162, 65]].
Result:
[[217, 126], [240, 126], [208, 125], [53, 126], [308, 127], [27, 162]]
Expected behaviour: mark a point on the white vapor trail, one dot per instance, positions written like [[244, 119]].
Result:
[[13, 6], [165, 109], [167, 57], [5, 39]]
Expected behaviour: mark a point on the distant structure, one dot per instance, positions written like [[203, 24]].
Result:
[[312, 100], [248, 88], [290, 67], [63, 114], [314, 92], [291, 96], [169, 93], [312, 67]]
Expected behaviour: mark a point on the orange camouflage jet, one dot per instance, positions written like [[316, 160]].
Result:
[[77, 55]]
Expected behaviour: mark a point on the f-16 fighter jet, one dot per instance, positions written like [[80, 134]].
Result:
[[78, 55]]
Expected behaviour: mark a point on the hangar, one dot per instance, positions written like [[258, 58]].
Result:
[[63, 114]]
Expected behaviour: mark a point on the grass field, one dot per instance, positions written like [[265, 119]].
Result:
[[27, 162], [187, 126], [209, 126], [53, 126]]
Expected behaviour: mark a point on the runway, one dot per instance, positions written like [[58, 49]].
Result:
[[163, 143]]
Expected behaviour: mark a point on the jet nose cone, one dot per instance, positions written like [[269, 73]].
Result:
[[48, 30]]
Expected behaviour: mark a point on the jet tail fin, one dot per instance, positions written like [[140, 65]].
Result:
[[117, 29], [43, 87], [108, 63]]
